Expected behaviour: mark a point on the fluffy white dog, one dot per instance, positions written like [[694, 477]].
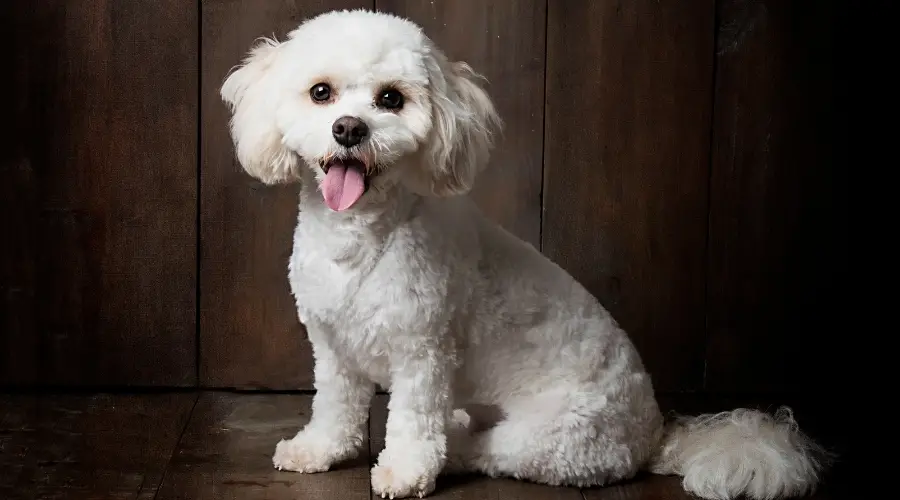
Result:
[[497, 361]]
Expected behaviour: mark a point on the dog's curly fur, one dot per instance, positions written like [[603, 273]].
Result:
[[496, 359]]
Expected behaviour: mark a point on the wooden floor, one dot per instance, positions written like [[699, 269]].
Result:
[[218, 445]]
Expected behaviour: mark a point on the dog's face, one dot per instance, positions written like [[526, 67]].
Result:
[[366, 101]]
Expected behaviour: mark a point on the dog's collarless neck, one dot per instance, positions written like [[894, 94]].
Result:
[[393, 207]]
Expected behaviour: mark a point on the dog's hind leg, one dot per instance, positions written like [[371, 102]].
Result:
[[563, 445]]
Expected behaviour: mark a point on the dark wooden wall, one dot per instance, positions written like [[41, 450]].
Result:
[[676, 157], [99, 192]]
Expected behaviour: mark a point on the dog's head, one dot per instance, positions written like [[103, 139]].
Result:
[[366, 101]]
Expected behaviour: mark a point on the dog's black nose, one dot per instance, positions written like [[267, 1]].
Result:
[[349, 131]]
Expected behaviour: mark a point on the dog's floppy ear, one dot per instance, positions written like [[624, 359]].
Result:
[[257, 140], [463, 125]]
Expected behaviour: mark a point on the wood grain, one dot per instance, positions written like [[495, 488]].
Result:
[[106, 174], [642, 487], [464, 487], [18, 204], [98, 446], [504, 41], [626, 166], [250, 335], [650, 487], [226, 453], [102, 446], [778, 221]]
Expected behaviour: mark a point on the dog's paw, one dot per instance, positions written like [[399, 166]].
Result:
[[407, 471], [393, 482], [293, 456], [308, 454]]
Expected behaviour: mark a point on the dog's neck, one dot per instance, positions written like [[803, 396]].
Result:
[[377, 216], [355, 237]]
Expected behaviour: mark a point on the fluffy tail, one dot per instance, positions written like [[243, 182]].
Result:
[[741, 452]]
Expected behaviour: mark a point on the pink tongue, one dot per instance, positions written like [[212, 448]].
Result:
[[342, 187]]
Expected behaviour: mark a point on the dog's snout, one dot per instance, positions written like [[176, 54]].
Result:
[[349, 131]]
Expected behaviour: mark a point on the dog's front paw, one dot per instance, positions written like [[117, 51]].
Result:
[[395, 482], [407, 471], [307, 453]]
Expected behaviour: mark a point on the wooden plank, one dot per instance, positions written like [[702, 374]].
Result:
[[470, 487], [778, 278], [250, 335], [626, 165], [504, 41], [117, 446], [649, 487], [109, 164], [642, 487], [226, 453], [88, 446], [18, 198]]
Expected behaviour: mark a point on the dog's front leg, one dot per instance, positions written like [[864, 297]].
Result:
[[340, 411], [415, 441]]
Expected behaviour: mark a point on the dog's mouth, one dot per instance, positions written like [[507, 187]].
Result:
[[346, 181]]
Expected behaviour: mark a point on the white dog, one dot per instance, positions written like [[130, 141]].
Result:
[[497, 360]]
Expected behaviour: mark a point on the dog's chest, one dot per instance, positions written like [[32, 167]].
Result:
[[337, 303], [324, 289], [337, 309]]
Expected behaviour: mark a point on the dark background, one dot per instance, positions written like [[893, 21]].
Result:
[[679, 158]]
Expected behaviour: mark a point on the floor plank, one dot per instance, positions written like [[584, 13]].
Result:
[[650, 487], [468, 487], [114, 447], [226, 453], [98, 446], [643, 487]]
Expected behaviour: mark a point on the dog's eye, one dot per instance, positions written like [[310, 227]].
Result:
[[390, 99], [320, 92]]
